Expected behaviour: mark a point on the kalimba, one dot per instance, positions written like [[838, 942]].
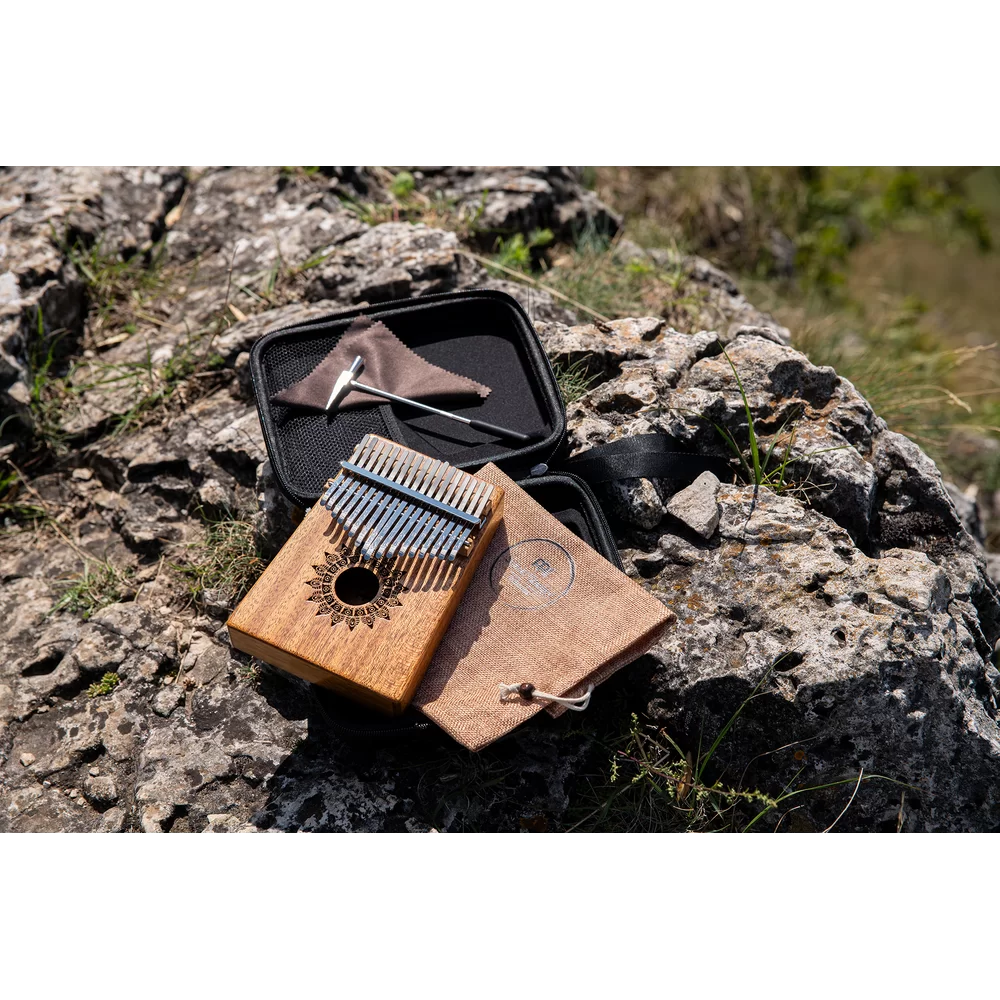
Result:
[[359, 597]]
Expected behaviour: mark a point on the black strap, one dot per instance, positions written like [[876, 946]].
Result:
[[646, 456]]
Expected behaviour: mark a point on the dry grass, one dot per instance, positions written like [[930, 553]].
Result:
[[101, 584], [942, 394], [227, 560], [891, 284]]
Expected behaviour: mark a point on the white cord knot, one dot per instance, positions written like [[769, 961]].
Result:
[[529, 691]]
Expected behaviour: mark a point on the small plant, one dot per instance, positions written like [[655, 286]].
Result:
[[104, 686], [13, 507], [574, 380], [759, 469], [402, 184], [654, 785], [119, 290], [101, 584], [518, 253], [250, 672]]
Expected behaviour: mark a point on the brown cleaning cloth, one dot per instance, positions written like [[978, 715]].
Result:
[[543, 608], [389, 365]]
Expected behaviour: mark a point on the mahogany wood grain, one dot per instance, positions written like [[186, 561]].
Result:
[[380, 666]]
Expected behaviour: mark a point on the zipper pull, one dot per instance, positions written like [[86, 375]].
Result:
[[538, 470]]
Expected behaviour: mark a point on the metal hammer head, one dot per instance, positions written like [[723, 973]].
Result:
[[343, 384]]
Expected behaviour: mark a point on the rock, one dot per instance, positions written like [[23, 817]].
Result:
[[711, 293], [390, 261], [101, 791], [537, 303], [858, 600], [505, 200], [112, 821], [276, 515], [969, 512], [27, 759], [217, 602], [240, 337], [154, 818], [696, 505], [858, 663], [165, 701], [216, 500], [44, 210]]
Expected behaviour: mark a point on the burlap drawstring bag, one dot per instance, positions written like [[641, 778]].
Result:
[[544, 612]]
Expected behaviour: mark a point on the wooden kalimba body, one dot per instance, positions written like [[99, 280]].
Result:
[[359, 597]]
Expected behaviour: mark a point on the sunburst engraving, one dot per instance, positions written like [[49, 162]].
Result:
[[332, 599]]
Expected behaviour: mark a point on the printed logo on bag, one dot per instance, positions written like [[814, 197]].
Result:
[[531, 574]]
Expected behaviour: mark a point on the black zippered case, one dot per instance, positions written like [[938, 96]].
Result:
[[480, 333]]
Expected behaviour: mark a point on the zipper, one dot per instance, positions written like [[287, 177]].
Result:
[[591, 508], [599, 517]]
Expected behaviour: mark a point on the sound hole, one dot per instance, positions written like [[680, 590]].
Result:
[[357, 585]]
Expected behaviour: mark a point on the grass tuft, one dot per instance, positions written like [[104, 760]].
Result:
[[101, 584], [119, 290], [574, 380], [14, 508], [655, 786], [228, 559]]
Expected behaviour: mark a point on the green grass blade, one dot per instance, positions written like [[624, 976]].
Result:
[[754, 452]]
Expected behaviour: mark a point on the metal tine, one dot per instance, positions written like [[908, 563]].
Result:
[[411, 513], [445, 526], [438, 491], [378, 498], [445, 493], [365, 443], [407, 525], [396, 509], [382, 498], [379, 452], [369, 495], [385, 459], [445, 544], [420, 467], [436, 549], [438, 523], [405, 472], [477, 508]]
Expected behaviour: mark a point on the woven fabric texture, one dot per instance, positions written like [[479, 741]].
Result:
[[544, 609]]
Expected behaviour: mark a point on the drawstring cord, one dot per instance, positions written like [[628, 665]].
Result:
[[529, 691]]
